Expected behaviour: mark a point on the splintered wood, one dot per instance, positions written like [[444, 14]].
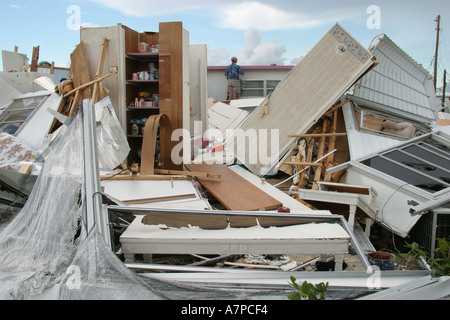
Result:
[[313, 153]]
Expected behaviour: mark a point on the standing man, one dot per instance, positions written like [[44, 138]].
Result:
[[234, 84]]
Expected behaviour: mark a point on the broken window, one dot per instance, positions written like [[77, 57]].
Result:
[[18, 112], [424, 164], [382, 124]]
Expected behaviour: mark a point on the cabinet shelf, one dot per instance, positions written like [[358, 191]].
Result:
[[143, 108], [136, 82], [142, 55], [132, 107]]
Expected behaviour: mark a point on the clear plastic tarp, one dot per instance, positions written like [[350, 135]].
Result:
[[46, 245]]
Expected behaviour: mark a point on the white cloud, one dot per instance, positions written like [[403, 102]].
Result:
[[241, 15], [145, 8], [259, 53], [16, 6], [89, 25], [218, 57], [264, 17]]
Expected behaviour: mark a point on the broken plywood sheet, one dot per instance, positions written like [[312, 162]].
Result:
[[335, 63], [288, 202], [233, 191]]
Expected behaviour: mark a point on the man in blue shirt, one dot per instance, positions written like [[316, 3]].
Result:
[[233, 83]]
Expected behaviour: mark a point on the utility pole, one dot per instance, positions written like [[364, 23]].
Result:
[[443, 89], [437, 46]]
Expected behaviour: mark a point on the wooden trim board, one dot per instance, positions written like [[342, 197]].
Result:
[[233, 191]]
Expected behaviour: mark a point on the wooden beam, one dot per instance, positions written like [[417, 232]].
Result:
[[334, 108], [318, 135], [331, 146], [304, 164], [101, 62], [320, 152], [34, 59], [157, 199], [84, 86], [189, 174]]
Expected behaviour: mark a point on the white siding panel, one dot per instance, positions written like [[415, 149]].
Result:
[[312, 87]]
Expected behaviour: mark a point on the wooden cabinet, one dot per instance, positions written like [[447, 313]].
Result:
[[166, 92]]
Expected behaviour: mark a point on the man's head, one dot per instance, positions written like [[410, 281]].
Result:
[[234, 60]]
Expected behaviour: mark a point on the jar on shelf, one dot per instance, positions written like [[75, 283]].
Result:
[[134, 127]]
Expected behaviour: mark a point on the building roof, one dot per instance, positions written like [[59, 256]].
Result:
[[254, 67]]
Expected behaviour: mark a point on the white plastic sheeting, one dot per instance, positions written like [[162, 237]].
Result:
[[40, 242]]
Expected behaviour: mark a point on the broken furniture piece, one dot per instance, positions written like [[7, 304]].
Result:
[[332, 194], [234, 233]]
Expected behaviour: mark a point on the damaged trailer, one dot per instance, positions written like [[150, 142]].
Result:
[[395, 145], [72, 236]]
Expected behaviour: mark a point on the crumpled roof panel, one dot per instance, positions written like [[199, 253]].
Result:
[[398, 84]]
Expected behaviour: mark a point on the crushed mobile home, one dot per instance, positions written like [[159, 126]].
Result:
[[358, 145]]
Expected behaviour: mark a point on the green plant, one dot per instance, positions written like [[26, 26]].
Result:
[[307, 291], [441, 261]]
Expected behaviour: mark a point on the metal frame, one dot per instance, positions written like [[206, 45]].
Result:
[[95, 214], [6, 110]]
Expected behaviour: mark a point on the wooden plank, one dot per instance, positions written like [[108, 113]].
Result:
[[187, 173], [303, 164], [233, 191], [318, 135], [98, 74], [331, 146], [320, 152], [88, 84], [171, 80], [35, 59], [80, 76], [158, 199]]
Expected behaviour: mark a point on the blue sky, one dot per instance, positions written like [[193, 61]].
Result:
[[258, 32]]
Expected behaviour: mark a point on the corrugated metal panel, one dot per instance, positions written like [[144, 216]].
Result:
[[398, 84]]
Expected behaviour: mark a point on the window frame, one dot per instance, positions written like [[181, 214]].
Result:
[[7, 111], [423, 143]]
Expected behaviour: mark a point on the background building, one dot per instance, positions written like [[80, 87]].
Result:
[[257, 82]]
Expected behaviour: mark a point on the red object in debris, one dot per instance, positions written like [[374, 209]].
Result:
[[284, 209], [217, 148]]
